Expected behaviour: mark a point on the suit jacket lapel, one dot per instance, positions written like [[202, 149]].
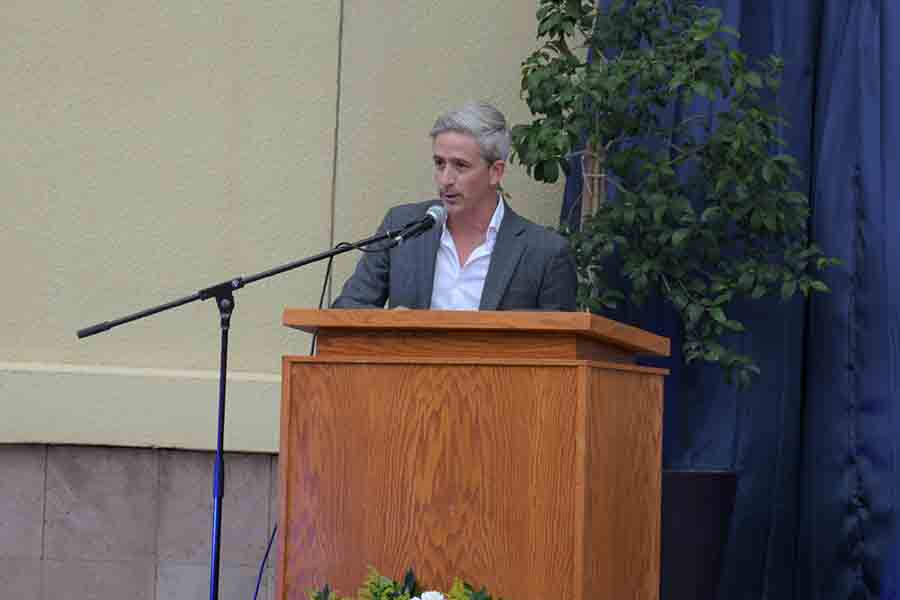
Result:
[[508, 250], [431, 243]]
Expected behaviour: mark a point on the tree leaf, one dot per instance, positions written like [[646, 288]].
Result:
[[679, 236], [710, 213], [703, 88], [735, 326], [550, 171], [746, 280], [754, 79], [659, 214], [788, 288], [694, 312]]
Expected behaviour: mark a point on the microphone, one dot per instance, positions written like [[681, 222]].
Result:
[[436, 215]]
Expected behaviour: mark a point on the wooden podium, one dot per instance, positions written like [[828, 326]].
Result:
[[520, 451]]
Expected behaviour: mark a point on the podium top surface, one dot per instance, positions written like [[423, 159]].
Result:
[[580, 324]]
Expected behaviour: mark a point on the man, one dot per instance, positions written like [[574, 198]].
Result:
[[485, 257]]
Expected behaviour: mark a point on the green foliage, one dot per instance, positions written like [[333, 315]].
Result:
[[700, 219], [324, 594], [463, 591], [379, 587], [459, 591]]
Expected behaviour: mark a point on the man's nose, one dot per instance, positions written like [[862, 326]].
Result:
[[446, 175]]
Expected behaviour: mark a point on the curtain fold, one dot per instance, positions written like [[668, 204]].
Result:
[[850, 475], [814, 442]]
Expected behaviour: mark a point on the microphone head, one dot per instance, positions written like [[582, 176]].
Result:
[[438, 213]]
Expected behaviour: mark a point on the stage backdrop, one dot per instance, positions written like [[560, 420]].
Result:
[[814, 442]]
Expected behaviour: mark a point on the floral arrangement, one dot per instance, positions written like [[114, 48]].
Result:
[[379, 587]]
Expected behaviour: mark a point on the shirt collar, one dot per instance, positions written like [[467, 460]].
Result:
[[493, 226], [497, 218]]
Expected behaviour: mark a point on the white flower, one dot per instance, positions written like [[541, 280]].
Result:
[[432, 596]]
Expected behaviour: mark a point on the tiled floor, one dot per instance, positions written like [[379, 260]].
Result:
[[111, 523]]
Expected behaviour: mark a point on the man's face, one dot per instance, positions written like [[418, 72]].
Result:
[[465, 181]]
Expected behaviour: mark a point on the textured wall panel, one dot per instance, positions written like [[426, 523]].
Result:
[[149, 150]]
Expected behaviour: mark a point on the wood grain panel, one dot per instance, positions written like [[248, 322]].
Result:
[[593, 327], [512, 362], [470, 470], [464, 345], [625, 460]]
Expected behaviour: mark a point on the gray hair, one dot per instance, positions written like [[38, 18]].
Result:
[[484, 123]]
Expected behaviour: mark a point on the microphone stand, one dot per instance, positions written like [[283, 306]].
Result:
[[224, 295]]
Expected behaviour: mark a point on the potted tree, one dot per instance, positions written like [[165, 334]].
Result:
[[690, 203]]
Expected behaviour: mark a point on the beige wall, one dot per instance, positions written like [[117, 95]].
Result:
[[150, 149]]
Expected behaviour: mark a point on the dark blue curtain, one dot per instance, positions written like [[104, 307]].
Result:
[[814, 442]]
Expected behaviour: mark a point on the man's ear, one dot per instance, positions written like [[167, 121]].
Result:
[[497, 168]]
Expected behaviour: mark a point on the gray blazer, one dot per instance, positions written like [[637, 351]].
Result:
[[531, 268]]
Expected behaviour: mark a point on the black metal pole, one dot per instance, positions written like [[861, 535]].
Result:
[[225, 301], [239, 282], [224, 295]]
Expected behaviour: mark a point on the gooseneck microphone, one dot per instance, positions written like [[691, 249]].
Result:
[[436, 216]]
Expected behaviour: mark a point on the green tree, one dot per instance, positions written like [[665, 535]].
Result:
[[700, 219]]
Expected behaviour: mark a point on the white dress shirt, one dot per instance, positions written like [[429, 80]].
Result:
[[459, 287]]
